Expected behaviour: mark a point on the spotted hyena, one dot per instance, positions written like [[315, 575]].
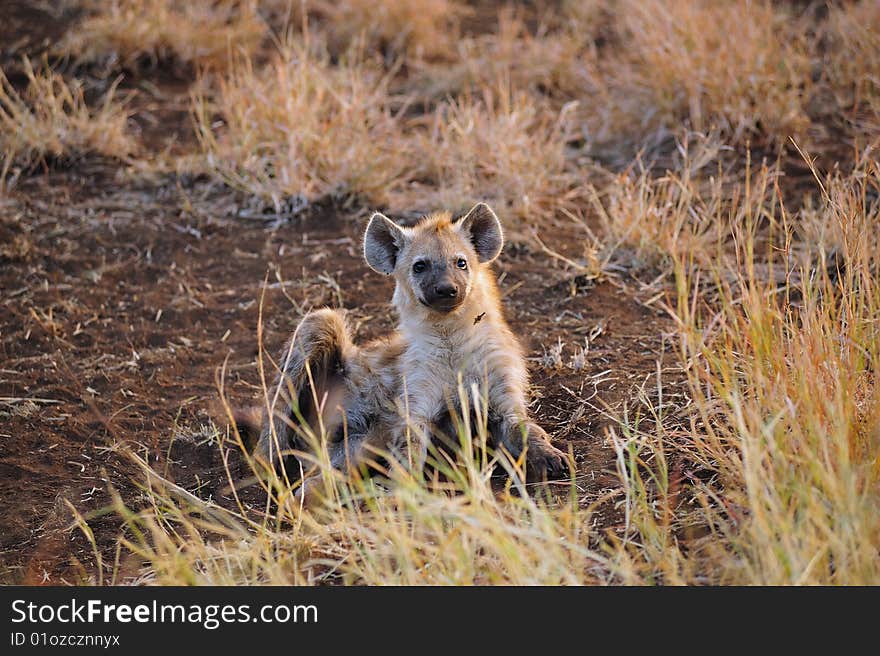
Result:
[[391, 394]]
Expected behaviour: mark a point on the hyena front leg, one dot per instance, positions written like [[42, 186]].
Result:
[[518, 431], [411, 436], [310, 383], [410, 441]]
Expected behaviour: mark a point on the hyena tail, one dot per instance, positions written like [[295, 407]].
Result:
[[309, 389]]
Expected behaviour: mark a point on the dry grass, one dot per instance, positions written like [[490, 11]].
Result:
[[411, 534], [132, 32], [854, 30], [853, 33], [417, 29], [51, 119], [559, 61], [682, 213], [207, 32], [692, 212], [741, 67], [502, 147], [783, 379], [779, 342], [303, 127]]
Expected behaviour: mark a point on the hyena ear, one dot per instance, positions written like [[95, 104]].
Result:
[[382, 243], [483, 228]]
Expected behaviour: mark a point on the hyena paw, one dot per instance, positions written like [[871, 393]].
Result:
[[544, 460]]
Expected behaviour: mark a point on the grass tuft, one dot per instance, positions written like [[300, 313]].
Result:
[[417, 29], [502, 147], [303, 127], [50, 119], [741, 67], [131, 33]]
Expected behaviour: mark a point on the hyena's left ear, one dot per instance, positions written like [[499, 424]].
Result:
[[483, 228]]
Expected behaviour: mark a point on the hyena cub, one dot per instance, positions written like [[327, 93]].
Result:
[[390, 395]]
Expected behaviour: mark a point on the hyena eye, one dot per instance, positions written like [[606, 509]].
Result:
[[418, 267], [462, 263]]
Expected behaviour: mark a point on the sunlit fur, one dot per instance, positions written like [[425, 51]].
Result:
[[393, 392]]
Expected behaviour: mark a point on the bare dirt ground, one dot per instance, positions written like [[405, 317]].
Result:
[[124, 295]]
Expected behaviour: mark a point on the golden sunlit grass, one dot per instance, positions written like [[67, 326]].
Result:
[[855, 47], [552, 62], [853, 33], [741, 67], [783, 380], [691, 212], [502, 147], [410, 534], [306, 127], [419, 29], [129, 32], [784, 417], [682, 213], [520, 98], [50, 119], [303, 127]]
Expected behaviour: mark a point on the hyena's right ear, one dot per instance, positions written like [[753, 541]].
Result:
[[382, 243]]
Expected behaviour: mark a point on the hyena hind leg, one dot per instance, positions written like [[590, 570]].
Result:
[[308, 389]]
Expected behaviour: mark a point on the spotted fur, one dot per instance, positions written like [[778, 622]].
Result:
[[387, 395]]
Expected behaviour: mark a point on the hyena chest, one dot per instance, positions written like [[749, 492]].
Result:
[[436, 368]]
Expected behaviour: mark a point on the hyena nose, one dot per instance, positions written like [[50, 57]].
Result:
[[446, 291]]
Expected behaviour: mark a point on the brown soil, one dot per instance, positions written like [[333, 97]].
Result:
[[122, 296]]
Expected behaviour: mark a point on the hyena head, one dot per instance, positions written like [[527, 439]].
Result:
[[436, 262]]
